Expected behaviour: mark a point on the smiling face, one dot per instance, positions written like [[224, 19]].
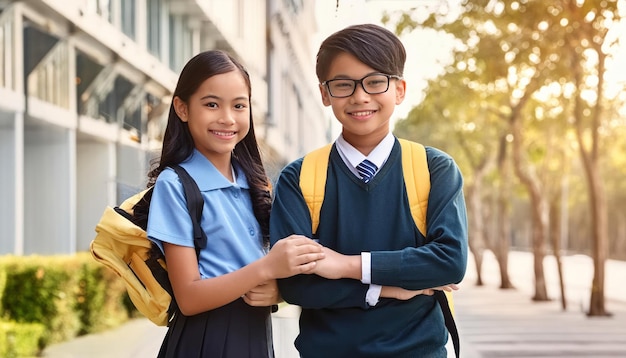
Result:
[[364, 117], [218, 115]]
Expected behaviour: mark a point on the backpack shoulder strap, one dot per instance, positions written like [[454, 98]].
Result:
[[313, 181], [416, 180], [195, 204]]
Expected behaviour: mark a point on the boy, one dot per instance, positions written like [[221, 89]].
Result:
[[373, 292]]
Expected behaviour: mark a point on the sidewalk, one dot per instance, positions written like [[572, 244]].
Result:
[[492, 322], [507, 323]]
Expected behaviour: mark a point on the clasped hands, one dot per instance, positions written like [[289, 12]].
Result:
[[297, 254], [336, 266]]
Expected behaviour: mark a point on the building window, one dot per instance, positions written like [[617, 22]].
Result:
[[46, 65], [154, 27], [114, 100], [180, 42], [128, 18], [87, 72]]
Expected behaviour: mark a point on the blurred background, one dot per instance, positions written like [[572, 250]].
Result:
[[528, 96]]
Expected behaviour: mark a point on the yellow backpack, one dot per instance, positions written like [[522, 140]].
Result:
[[417, 182], [121, 244]]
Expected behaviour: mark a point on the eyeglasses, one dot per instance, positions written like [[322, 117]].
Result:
[[372, 84]]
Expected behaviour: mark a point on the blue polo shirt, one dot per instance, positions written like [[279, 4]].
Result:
[[233, 233]]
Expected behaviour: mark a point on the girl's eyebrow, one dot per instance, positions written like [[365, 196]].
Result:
[[209, 96], [212, 96]]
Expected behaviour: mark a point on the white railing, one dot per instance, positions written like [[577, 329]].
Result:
[[50, 80], [7, 67]]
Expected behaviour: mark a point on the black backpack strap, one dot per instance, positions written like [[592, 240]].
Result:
[[449, 320], [195, 203]]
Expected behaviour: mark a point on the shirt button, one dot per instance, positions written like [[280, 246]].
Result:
[[236, 194], [251, 232]]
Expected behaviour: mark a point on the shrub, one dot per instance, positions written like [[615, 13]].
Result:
[[45, 295], [20, 339], [67, 295]]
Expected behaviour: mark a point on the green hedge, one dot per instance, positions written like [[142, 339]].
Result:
[[20, 339], [68, 296]]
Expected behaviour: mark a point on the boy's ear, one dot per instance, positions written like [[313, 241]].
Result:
[[325, 95], [400, 90], [180, 107]]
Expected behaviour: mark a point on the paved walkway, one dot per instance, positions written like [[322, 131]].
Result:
[[507, 323], [493, 323]]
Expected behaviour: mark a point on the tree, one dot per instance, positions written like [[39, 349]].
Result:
[[589, 44], [522, 48], [444, 115]]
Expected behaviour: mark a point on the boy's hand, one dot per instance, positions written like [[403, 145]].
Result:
[[335, 265], [265, 294], [400, 293]]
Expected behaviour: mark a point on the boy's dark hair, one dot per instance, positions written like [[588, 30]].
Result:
[[371, 44], [178, 143]]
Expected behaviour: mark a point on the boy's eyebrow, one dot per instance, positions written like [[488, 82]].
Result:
[[342, 76]]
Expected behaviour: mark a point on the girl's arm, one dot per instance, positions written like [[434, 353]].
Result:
[[292, 256]]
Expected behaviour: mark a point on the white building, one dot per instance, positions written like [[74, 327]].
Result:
[[85, 86]]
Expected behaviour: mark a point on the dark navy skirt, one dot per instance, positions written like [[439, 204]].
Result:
[[235, 330]]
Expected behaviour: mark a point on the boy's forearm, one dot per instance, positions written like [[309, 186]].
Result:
[[336, 266], [352, 267]]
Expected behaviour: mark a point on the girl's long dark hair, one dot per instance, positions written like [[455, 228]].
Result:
[[178, 144]]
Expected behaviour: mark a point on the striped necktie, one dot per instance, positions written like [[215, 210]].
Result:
[[366, 170]]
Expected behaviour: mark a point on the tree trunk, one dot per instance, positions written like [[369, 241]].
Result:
[[476, 224], [538, 206], [476, 240], [555, 234], [590, 156], [478, 262], [503, 210], [474, 196], [538, 232], [599, 244]]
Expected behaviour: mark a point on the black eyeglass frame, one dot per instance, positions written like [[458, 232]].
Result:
[[356, 82]]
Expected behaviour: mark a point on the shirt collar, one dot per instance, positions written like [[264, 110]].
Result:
[[378, 155], [208, 177]]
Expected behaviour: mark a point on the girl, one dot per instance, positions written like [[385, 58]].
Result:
[[225, 294]]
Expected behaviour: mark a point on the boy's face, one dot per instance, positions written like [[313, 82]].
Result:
[[364, 117]]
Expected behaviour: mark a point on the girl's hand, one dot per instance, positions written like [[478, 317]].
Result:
[[293, 255], [265, 294], [402, 294]]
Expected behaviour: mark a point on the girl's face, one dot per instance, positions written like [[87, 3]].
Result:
[[364, 117], [218, 115]]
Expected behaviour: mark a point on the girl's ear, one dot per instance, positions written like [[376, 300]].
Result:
[[325, 95], [400, 91], [180, 107]]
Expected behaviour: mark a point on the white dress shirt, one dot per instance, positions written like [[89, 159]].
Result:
[[352, 157]]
